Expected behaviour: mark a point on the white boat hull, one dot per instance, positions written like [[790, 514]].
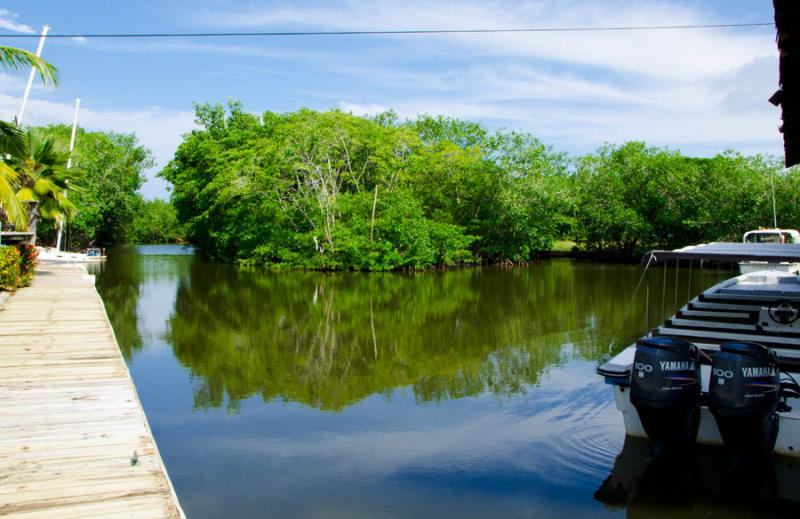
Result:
[[51, 255]]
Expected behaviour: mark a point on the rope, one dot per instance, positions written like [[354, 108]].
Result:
[[630, 303]]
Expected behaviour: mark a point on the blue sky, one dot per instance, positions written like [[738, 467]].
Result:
[[700, 91]]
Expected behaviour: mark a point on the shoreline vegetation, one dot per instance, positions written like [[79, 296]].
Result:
[[334, 191], [108, 208]]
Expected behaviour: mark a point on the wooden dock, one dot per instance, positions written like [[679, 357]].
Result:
[[70, 418]]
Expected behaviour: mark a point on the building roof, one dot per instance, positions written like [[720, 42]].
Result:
[[787, 22]]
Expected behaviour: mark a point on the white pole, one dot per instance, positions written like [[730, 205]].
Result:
[[69, 165], [74, 130], [32, 75]]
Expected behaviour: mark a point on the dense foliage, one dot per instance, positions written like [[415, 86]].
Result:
[[156, 222], [329, 190], [17, 264], [111, 170], [9, 268], [28, 259], [632, 196]]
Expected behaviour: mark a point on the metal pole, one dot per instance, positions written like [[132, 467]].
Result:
[[774, 210], [69, 165], [647, 305], [664, 291], [45, 30], [677, 271]]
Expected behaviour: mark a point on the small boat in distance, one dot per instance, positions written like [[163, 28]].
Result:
[[53, 255], [772, 236], [724, 369], [775, 237]]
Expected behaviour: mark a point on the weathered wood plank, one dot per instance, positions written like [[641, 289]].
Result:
[[70, 418]]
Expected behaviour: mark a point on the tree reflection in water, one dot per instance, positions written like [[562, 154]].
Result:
[[329, 340]]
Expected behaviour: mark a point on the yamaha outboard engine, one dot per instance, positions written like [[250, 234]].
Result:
[[744, 395], [665, 389]]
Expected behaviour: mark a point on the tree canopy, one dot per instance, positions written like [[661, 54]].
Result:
[[13, 142], [111, 167], [330, 190]]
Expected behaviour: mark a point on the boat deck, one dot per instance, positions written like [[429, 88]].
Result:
[[70, 418]]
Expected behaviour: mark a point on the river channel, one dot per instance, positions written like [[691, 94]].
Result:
[[467, 393]]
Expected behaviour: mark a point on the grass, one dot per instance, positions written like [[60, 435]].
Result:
[[562, 246]]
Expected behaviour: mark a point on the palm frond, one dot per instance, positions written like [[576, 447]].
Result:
[[12, 58], [13, 207], [12, 140], [44, 187], [44, 177], [55, 209], [26, 194]]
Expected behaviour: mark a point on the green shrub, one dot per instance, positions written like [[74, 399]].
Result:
[[9, 268], [28, 259]]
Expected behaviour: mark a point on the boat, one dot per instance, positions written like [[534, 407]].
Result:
[[723, 369], [771, 236], [53, 255]]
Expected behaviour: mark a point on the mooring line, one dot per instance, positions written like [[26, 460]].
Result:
[[630, 303]]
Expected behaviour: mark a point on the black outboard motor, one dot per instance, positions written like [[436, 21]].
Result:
[[744, 395], [665, 389]]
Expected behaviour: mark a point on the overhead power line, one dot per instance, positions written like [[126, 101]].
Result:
[[392, 32]]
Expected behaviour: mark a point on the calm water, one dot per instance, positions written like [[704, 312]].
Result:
[[466, 393]]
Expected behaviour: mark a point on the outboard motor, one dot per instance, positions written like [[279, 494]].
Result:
[[744, 395], [665, 389]]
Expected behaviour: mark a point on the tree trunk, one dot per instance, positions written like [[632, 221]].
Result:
[[33, 218]]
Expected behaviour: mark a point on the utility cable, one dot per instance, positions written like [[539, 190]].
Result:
[[391, 32]]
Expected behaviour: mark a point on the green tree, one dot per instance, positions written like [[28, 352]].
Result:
[[111, 166], [43, 178], [12, 141], [156, 222], [328, 190], [631, 197]]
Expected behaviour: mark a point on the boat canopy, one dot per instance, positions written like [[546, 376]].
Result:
[[723, 251]]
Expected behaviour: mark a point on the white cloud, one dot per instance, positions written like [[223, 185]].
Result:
[[506, 437], [363, 110], [157, 128], [703, 90], [9, 23], [674, 54]]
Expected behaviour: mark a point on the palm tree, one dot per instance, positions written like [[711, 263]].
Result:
[[11, 209], [12, 140], [43, 178]]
